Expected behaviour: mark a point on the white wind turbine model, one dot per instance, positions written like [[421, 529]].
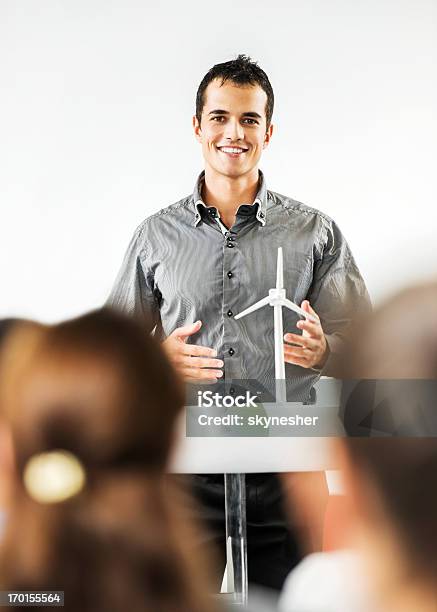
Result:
[[235, 488], [277, 299]]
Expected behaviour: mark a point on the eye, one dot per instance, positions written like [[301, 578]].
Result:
[[218, 118], [250, 121]]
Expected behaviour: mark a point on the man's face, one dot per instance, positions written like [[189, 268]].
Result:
[[233, 130]]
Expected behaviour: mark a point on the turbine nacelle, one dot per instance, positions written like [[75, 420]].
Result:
[[277, 296]]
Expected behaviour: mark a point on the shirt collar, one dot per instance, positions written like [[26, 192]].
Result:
[[260, 200]]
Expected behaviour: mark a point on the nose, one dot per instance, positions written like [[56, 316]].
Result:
[[234, 130]]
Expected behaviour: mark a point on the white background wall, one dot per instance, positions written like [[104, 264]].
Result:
[[96, 99]]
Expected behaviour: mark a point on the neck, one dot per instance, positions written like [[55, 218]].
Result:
[[227, 193]]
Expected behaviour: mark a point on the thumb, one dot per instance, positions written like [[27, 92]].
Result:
[[187, 330]]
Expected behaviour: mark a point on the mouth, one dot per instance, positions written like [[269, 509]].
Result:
[[232, 151]]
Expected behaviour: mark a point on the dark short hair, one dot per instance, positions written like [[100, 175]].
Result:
[[241, 71]]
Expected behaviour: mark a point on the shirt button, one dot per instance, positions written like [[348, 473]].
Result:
[[231, 352], [230, 275], [262, 215], [230, 313], [230, 245]]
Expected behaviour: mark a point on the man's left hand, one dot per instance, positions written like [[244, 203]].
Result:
[[312, 349]]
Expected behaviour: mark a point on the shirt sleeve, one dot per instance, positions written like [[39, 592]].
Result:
[[338, 293], [134, 289]]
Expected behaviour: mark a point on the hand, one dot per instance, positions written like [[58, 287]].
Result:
[[312, 349], [189, 360]]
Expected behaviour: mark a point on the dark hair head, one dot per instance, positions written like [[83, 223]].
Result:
[[241, 71], [101, 389], [399, 341]]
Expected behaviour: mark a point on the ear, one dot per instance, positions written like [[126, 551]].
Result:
[[197, 129], [268, 136]]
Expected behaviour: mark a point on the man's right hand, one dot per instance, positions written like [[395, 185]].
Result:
[[192, 362]]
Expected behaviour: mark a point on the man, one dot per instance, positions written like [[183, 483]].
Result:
[[197, 263]]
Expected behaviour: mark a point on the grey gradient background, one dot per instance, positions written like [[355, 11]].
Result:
[[96, 99]]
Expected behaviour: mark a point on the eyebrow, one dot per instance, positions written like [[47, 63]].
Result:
[[218, 111]]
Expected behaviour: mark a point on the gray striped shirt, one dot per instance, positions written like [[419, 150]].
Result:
[[183, 264]]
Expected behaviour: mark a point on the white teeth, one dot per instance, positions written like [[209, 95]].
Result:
[[231, 150]]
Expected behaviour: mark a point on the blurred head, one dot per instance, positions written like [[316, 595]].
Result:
[[389, 510], [234, 107], [96, 385], [99, 390], [390, 482]]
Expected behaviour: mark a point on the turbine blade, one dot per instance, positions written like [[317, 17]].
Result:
[[280, 270], [292, 306], [254, 307]]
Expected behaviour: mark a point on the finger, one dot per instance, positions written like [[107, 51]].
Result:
[[304, 341], [203, 381], [304, 363], [313, 329], [199, 362], [198, 351], [297, 353], [200, 373], [186, 330], [308, 308]]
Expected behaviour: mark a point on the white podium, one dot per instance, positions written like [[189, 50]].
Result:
[[236, 456]]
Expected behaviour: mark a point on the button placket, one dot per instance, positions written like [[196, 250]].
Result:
[[230, 288]]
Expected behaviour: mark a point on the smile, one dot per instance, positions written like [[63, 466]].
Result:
[[234, 151]]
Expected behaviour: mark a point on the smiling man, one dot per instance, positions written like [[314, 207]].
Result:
[[231, 125], [197, 263]]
